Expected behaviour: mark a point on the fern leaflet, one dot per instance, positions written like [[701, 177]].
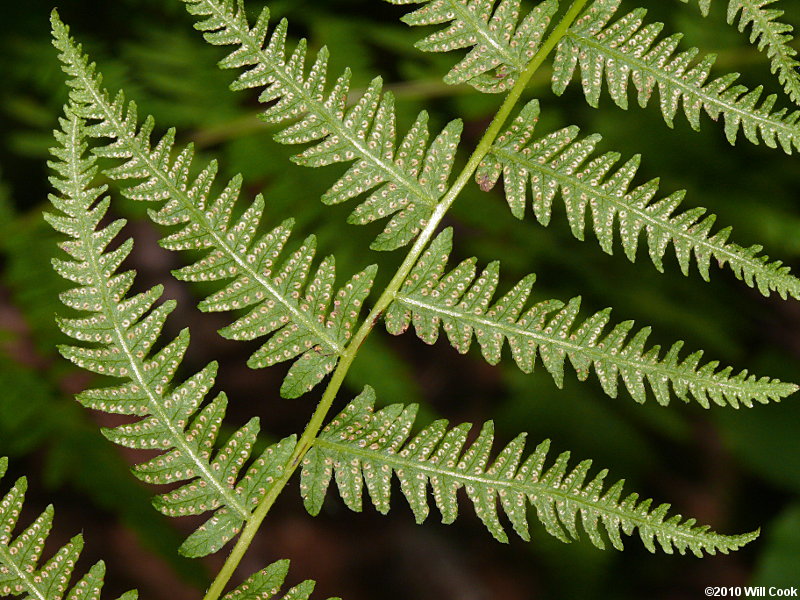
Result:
[[118, 338], [266, 584], [410, 178], [361, 446], [461, 303], [501, 44], [769, 34], [630, 50], [285, 301], [20, 572], [558, 162]]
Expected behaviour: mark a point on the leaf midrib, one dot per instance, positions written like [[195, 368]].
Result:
[[199, 217], [567, 180], [470, 18], [593, 352], [529, 488], [780, 48], [725, 107], [26, 577], [314, 106], [135, 365]]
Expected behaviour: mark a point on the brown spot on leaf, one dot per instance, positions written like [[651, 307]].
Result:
[[485, 183]]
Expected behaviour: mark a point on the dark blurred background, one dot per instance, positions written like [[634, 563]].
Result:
[[736, 470]]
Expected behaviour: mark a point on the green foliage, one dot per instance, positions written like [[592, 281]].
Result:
[[501, 43], [628, 49], [769, 35], [36, 416], [265, 584], [119, 337], [20, 571], [292, 304], [361, 446], [558, 163], [284, 304], [411, 178], [460, 301]]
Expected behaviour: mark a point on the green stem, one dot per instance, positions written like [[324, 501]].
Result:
[[318, 418]]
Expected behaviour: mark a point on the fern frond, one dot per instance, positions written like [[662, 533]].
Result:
[[20, 571], [628, 49], [266, 584], [769, 34], [461, 302], [772, 37], [306, 319], [410, 178], [361, 446], [559, 162], [502, 42], [118, 338]]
